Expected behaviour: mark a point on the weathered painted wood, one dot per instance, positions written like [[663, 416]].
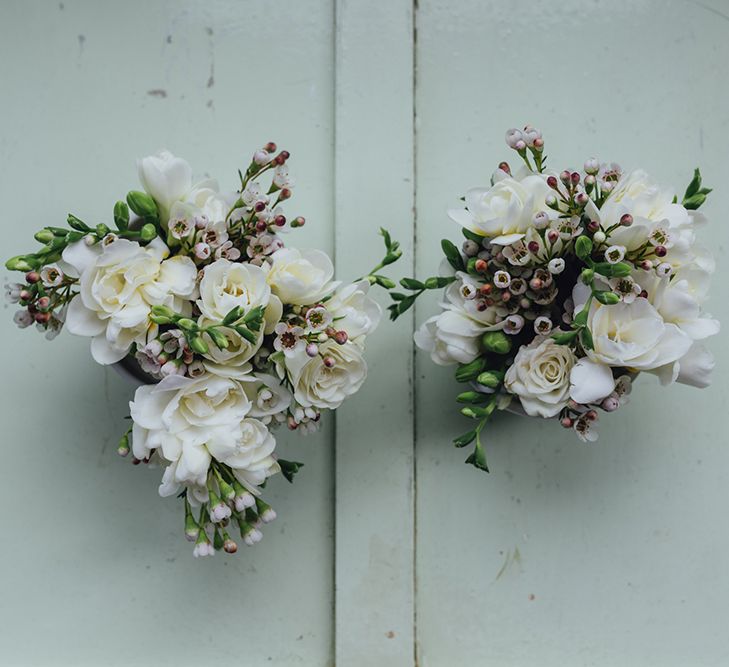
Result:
[[568, 554], [374, 457], [94, 569]]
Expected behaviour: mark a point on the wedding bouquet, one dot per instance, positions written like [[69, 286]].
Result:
[[233, 332], [566, 287]]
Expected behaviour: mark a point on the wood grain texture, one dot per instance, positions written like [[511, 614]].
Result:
[[572, 554], [94, 568], [374, 458]]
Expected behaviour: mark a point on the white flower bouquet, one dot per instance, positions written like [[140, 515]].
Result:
[[231, 332], [567, 285]]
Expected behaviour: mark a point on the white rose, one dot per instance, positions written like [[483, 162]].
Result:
[[651, 206], [118, 285], [678, 300], [190, 421], [634, 335], [590, 382], [695, 367], [451, 338], [540, 377], [268, 395], [354, 311], [226, 285], [301, 277], [317, 386], [504, 211]]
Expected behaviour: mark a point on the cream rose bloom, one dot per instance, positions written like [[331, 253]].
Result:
[[188, 422], [453, 336], [635, 336], [118, 285], [317, 386], [226, 285], [505, 211], [353, 310], [540, 377], [301, 277]]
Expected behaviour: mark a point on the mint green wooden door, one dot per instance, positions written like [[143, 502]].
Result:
[[387, 551]]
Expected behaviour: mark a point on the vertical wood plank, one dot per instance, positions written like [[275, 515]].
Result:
[[567, 554], [95, 569], [374, 613]]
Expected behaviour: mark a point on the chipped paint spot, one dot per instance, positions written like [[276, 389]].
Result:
[[211, 81], [81, 42], [390, 634], [209, 31], [169, 39], [209, 105], [157, 92]]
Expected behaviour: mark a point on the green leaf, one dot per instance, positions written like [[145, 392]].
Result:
[[692, 203], [411, 284], [565, 338], [478, 458], [452, 254], [465, 439], [290, 468], [77, 224], [694, 186], [471, 236], [397, 296], [497, 342], [586, 339], [386, 236]]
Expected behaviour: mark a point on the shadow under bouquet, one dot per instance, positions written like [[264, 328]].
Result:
[[566, 287], [230, 332]]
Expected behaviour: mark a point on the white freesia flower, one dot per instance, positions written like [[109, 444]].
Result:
[[316, 385], [165, 178], [119, 283], [268, 395], [678, 300], [301, 277], [188, 422], [504, 211], [540, 377], [354, 311], [590, 382], [634, 335], [695, 367], [226, 285], [450, 337], [651, 207], [453, 336]]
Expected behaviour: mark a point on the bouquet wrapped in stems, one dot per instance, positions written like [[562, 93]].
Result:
[[232, 332], [567, 285]]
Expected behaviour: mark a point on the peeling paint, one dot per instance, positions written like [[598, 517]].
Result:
[[157, 92]]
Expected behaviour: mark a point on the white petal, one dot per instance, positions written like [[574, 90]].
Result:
[[82, 321], [81, 256], [103, 352], [590, 382]]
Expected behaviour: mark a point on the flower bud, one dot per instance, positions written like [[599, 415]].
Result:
[[599, 237], [582, 199], [566, 422], [490, 379], [610, 404], [148, 232], [565, 177], [123, 446], [552, 182], [341, 337], [229, 546], [470, 248], [197, 344], [556, 266], [552, 235], [504, 166], [551, 201], [513, 137], [270, 147], [142, 204], [312, 349], [664, 269], [44, 236], [587, 276], [661, 251], [18, 263], [297, 222], [44, 302], [626, 220], [593, 226], [481, 265], [592, 166], [329, 362], [575, 177], [496, 342]]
